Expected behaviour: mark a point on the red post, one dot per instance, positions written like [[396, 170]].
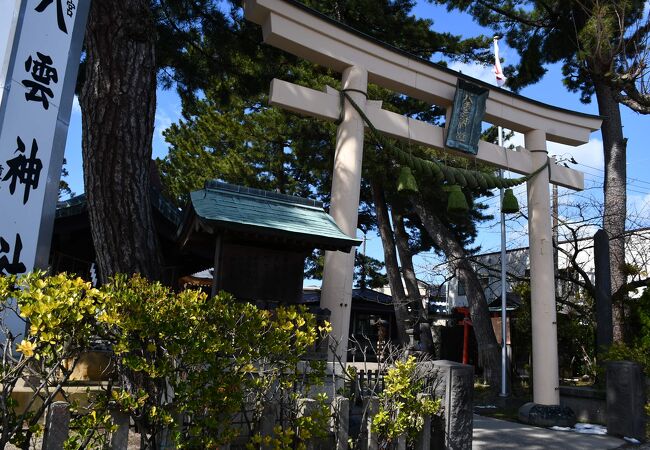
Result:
[[466, 324]]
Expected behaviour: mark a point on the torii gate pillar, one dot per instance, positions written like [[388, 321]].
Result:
[[546, 390], [336, 294]]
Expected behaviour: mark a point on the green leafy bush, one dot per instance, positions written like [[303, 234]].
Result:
[[623, 352], [401, 410], [184, 357], [185, 364], [638, 349]]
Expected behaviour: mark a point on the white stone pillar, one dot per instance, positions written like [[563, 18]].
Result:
[[338, 272], [542, 281]]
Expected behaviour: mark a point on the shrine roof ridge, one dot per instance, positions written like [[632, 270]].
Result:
[[79, 203], [254, 192], [240, 209]]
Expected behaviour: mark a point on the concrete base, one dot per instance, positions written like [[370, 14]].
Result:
[[547, 415]]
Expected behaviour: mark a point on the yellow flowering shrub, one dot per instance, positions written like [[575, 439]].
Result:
[[176, 355], [401, 410], [216, 355], [60, 316]]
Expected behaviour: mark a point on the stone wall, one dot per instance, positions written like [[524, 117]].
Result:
[[589, 404]]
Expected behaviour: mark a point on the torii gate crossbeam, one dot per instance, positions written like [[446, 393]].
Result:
[[326, 105], [291, 26]]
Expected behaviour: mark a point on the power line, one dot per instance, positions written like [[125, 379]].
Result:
[[603, 171]]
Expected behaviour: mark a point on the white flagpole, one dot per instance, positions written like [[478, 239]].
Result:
[[504, 350]]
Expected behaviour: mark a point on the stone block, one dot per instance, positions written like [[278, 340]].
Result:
[[587, 403], [306, 407], [56, 426], [423, 441], [454, 383], [603, 291], [625, 399], [547, 415], [120, 437], [269, 418], [91, 366], [341, 422], [369, 440]]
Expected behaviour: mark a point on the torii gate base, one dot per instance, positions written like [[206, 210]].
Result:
[[291, 26]]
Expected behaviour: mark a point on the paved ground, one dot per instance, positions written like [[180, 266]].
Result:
[[495, 434]]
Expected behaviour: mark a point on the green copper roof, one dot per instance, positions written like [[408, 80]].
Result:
[[269, 213], [78, 204]]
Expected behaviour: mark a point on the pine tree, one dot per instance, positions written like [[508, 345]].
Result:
[[603, 51], [130, 45], [232, 135], [205, 51], [118, 102]]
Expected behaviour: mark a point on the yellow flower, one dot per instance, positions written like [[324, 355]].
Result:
[[26, 348]]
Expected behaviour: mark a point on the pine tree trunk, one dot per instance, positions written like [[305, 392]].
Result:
[[118, 103], [411, 282], [390, 259], [488, 349], [614, 146]]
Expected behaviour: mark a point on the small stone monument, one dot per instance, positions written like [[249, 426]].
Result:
[[625, 400], [547, 415], [603, 291]]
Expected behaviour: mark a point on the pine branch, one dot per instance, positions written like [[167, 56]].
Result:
[[544, 23], [633, 99]]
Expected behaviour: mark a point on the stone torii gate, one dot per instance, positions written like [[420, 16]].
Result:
[[291, 26]]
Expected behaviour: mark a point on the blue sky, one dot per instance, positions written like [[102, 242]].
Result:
[[589, 156], [549, 90]]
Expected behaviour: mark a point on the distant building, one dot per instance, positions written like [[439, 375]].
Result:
[[433, 296], [488, 268], [372, 321]]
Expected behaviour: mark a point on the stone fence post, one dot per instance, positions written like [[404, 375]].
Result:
[[454, 383], [369, 440], [423, 441], [57, 425], [625, 399], [120, 437], [341, 422]]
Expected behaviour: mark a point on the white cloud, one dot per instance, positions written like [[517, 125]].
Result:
[[163, 121], [478, 71], [589, 154], [76, 108]]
